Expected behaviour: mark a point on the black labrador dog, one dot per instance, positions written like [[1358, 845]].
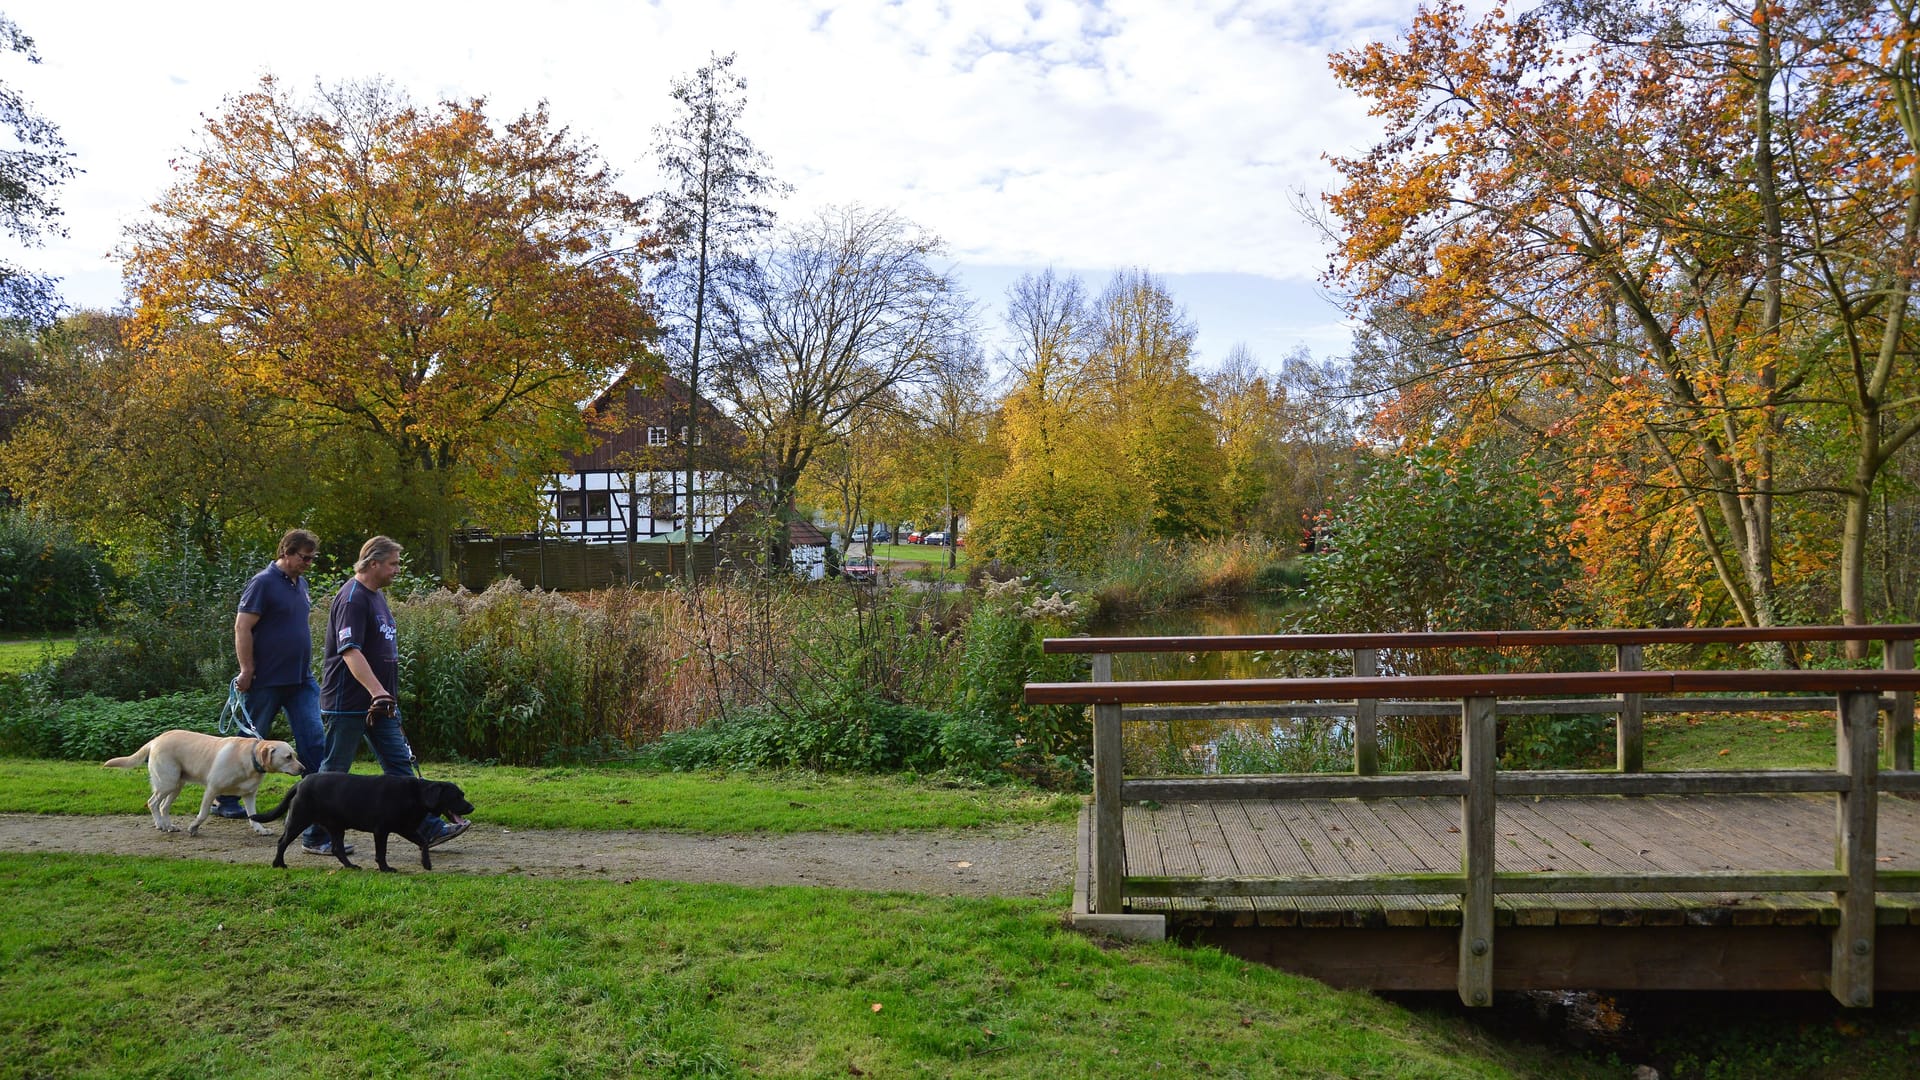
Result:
[[378, 804]]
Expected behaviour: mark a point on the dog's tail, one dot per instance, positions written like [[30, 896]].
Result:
[[278, 812], [133, 760]]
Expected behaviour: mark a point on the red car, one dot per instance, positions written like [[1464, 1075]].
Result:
[[861, 570]]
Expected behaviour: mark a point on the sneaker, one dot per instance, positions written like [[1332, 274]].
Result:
[[448, 831], [229, 807], [324, 848]]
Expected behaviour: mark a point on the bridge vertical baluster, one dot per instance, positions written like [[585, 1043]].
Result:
[[1366, 716], [1478, 727], [1630, 746], [1856, 844], [1109, 826], [1898, 656]]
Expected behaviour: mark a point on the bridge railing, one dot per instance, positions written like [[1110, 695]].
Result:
[[1856, 696]]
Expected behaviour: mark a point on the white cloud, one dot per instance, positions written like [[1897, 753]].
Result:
[[1025, 132]]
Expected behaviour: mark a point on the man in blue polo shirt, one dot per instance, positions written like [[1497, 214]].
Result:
[[360, 677], [272, 641]]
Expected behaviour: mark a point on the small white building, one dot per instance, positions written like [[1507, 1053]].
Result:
[[807, 550]]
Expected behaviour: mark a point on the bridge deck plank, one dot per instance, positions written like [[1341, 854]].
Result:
[[1255, 838]]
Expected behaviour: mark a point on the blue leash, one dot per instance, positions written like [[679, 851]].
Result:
[[234, 719]]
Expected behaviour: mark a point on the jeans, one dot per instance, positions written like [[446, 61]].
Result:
[[301, 702], [344, 732]]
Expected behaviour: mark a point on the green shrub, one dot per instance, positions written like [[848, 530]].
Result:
[[862, 735], [1556, 742], [172, 631], [49, 580], [1439, 540], [1000, 652], [95, 728], [1445, 540]]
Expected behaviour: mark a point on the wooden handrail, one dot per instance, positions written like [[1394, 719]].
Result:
[[1465, 686], [1483, 639]]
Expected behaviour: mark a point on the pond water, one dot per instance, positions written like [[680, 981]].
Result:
[[1305, 744], [1246, 616]]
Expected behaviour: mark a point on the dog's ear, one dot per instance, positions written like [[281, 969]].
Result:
[[263, 756]]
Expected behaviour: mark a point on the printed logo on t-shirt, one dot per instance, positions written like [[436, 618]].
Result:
[[346, 635]]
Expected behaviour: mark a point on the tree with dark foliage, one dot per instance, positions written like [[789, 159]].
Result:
[[30, 168]]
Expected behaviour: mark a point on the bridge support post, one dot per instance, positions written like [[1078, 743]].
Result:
[[1898, 656], [1856, 835], [1366, 716], [1109, 828], [1630, 746], [1478, 728]]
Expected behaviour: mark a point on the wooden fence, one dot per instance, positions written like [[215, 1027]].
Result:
[[576, 566]]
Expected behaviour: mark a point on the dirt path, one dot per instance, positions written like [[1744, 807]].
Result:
[[1033, 860]]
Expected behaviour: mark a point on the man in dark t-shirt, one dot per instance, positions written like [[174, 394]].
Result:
[[360, 669], [275, 651]]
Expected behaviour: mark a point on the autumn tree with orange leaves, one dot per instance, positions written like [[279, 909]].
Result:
[[1672, 243], [425, 295]]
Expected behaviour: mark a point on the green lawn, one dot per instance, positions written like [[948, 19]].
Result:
[[611, 798], [919, 553], [1740, 741], [119, 966], [20, 654]]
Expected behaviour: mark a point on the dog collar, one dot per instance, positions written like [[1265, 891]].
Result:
[[253, 755]]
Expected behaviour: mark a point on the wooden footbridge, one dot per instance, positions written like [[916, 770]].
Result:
[[1487, 879]]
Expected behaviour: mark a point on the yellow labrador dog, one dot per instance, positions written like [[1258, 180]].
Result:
[[226, 766]]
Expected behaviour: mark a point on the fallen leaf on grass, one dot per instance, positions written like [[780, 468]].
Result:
[[963, 865], [876, 1006], [1725, 752]]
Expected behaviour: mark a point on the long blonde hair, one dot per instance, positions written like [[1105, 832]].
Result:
[[378, 549]]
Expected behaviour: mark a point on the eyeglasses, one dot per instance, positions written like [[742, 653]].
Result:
[[306, 556]]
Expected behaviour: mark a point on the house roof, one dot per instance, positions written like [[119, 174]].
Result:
[[619, 418], [803, 534]]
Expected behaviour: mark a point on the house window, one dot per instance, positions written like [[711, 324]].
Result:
[[656, 436], [699, 437], [573, 505], [599, 505]]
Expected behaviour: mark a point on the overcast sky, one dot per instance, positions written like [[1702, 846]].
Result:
[[1026, 133]]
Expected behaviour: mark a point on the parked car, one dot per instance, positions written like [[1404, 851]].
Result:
[[938, 536], [860, 569], [882, 534], [915, 537], [859, 536]]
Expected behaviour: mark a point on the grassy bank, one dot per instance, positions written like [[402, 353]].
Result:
[[1741, 741], [441, 975], [581, 798]]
